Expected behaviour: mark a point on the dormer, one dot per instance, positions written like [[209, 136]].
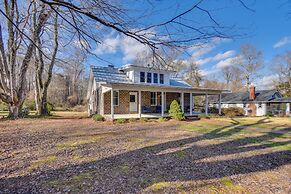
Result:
[[147, 75]]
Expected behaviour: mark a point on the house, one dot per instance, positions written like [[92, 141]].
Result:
[[138, 91], [255, 103]]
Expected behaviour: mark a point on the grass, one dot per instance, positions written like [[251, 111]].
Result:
[[79, 142], [42, 161]]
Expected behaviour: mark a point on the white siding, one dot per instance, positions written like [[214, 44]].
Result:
[[261, 111]]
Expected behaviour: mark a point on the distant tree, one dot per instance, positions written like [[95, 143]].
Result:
[[249, 61], [193, 74], [282, 67], [227, 75]]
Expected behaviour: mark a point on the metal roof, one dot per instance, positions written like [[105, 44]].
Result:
[[243, 97], [109, 75]]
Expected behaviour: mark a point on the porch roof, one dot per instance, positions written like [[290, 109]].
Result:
[[165, 88]]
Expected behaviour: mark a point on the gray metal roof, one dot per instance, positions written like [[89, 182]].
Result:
[[243, 97], [115, 75], [287, 99], [109, 75]]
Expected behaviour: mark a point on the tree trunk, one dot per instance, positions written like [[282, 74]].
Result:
[[14, 111]]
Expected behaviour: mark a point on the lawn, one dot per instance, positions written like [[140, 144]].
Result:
[[72, 154]]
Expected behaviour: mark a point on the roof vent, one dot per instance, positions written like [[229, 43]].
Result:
[[111, 66]]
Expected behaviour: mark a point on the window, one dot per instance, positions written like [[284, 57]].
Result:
[[131, 98], [149, 77], [153, 98], [155, 78], [115, 98], [142, 77], [260, 105], [244, 105], [161, 78]]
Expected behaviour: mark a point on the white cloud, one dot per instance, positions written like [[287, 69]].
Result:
[[266, 82], [109, 45], [219, 56], [208, 72], [282, 42], [225, 62]]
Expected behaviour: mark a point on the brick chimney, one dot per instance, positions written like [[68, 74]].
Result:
[[252, 92]]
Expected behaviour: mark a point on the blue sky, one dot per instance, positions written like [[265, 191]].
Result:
[[268, 28]]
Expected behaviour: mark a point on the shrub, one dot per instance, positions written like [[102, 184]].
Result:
[[176, 111], [233, 111], [144, 119], [24, 112], [162, 119], [49, 107], [269, 114], [205, 116], [132, 119], [30, 104], [98, 117], [120, 121]]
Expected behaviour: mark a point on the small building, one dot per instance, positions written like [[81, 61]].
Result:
[[255, 103], [138, 91]]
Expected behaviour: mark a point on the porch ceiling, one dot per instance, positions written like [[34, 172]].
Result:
[[159, 88]]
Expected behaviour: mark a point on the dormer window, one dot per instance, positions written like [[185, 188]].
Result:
[[161, 78], [142, 77], [149, 77], [155, 78]]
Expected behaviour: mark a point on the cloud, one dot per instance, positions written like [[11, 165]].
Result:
[[266, 82], [282, 42], [208, 72], [225, 62], [128, 46], [217, 57]]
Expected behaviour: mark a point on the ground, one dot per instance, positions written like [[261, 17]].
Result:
[[72, 154]]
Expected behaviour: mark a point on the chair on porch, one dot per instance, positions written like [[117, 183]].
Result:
[[158, 109], [145, 109]]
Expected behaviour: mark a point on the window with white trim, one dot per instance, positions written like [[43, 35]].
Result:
[[149, 77], [156, 78], [142, 77], [161, 78], [115, 98], [153, 98]]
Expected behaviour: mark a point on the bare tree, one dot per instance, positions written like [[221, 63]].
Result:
[[282, 67], [227, 75], [13, 74], [249, 62], [42, 77]]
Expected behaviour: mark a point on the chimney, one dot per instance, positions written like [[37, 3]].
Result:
[[252, 92]]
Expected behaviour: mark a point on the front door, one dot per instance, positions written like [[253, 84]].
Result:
[[133, 101]]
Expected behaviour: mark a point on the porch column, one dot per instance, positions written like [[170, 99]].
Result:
[[182, 101], [287, 108], [165, 101], [112, 106], [163, 104], [191, 103], [219, 105], [206, 104], [139, 104]]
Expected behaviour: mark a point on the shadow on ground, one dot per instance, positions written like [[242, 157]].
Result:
[[134, 171]]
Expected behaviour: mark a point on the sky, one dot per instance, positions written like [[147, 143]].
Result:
[[267, 26]]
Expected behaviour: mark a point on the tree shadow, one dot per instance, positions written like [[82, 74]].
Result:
[[186, 159]]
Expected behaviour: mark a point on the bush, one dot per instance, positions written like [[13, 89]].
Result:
[[24, 112], [98, 117], [144, 119], [49, 107], [204, 116], [162, 119], [132, 119], [120, 121], [176, 111], [233, 111], [269, 114], [30, 104]]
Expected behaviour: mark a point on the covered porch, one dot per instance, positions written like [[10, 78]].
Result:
[[147, 101]]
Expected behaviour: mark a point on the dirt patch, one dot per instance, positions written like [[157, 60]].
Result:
[[83, 156]]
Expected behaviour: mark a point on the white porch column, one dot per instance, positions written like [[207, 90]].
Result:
[[206, 104], [219, 105], [191, 103], [112, 106], [287, 108], [165, 101], [139, 104], [163, 104], [182, 101]]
